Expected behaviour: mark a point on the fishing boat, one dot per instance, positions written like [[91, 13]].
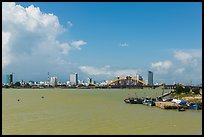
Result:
[[133, 100], [127, 100], [195, 106], [181, 108], [148, 102]]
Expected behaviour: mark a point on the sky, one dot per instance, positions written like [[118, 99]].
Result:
[[102, 40]]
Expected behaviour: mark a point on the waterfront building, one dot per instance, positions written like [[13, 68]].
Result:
[[9, 79], [42, 83], [53, 81], [31, 83], [74, 79], [139, 77], [36, 83], [90, 80], [68, 83], [22, 82], [150, 78]]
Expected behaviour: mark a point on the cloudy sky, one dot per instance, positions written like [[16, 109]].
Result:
[[102, 40]]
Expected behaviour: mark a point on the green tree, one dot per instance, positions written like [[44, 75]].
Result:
[[6, 86], [186, 90], [196, 90], [17, 84], [179, 89], [27, 85]]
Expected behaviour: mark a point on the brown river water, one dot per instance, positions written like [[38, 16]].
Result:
[[92, 112]]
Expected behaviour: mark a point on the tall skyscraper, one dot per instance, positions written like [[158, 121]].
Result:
[[150, 78], [53, 81], [9, 79], [139, 77], [90, 80], [74, 79]]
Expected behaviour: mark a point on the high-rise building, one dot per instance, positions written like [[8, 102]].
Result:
[[150, 78], [139, 77], [74, 79], [90, 80], [9, 79], [53, 81]]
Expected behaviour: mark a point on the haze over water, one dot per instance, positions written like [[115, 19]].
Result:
[[91, 111]]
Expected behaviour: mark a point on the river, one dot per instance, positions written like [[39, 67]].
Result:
[[91, 112]]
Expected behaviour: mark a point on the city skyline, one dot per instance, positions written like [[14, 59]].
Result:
[[102, 40], [73, 79]]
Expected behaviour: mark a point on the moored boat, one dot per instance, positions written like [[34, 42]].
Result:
[[180, 108], [148, 102], [195, 106], [133, 100]]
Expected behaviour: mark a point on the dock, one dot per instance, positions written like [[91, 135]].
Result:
[[166, 94], [166, 105]]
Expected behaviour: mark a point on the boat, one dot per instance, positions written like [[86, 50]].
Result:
[[195, 106], [127, 100], [140, 101], [145, 101], [133, 100], [148, 102], [181, 109]]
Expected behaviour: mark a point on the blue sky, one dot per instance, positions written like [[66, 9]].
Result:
[[103, 40]]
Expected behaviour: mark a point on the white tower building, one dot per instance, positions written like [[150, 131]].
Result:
[[74, 79], [53, 81]]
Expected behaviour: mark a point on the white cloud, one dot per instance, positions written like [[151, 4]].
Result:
[[30, 18], [77, 44], [179, 70], [106, 70], [95, 71], [183, 56], [162, 66], [65, 48], [188, 62], [125, 72], [69, 23], [29, 37], [197, 53], [5, 48], [188, 56], [123, 45]]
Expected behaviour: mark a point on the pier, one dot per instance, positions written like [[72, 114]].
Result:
[[166, 105]]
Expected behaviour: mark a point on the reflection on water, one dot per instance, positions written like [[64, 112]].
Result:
[[91, 111]]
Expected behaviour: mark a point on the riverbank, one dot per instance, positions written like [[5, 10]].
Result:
[[188, 97], [195, 98]]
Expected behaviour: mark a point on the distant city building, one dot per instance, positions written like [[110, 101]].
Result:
[[150, 78], [9, 79], [53, 81], [139, 77], [90, 80], [68, 83], [36, 83], [22, 82], [31, 83], [42, 83], [74, 79]]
